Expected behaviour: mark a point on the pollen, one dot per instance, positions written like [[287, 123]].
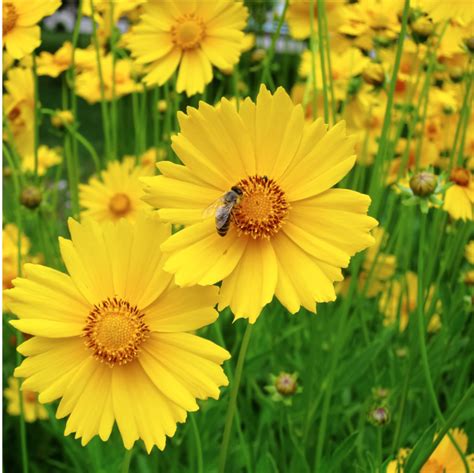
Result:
[[120, 204], [188, 32], [9, 18], [114, 331], [262, 209]]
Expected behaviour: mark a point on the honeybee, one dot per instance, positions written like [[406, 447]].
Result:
[[223, 207]]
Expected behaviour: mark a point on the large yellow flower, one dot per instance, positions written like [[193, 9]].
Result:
[[291, 233], [21, 33], [110, 339], [193, 35], [32, 409], [116, 194], [445, 458], [459, 197]]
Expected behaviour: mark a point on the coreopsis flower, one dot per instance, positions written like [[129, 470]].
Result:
[[47, 157], [400, 300], [344, 65], [289, 233], [459, 197], [298, 17], [10, 253], [110, 339], [116, 193], [20, 18], [62, 118], [445, 457], [192, 35], [32, 409], [53, 64], [118, 81]]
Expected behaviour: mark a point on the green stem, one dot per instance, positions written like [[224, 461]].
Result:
[[322, 57], [103, 105], [266, 77], [312, 45], [127, 458], [35, 117], [197, 439], [233, 399]]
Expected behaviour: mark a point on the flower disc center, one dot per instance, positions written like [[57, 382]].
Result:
[[9, 17], [262, 209], [460, 176], [114, 331], [120, 204], [188, 32]]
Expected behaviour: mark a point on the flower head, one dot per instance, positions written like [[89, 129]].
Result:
[[21, 33], [460, 196], [32, 409], [116, 193], [110, 338], [288, 233], [192, 35]]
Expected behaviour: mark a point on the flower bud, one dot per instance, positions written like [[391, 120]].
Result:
[[374, 74], [422, 28], [161, 106], [423, 184], [258, 55], [31, 197], [379, 416], [286, 384], [61, 118], [456, 74]]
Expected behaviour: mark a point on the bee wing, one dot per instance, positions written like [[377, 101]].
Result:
[[212, 209], [222, 215]]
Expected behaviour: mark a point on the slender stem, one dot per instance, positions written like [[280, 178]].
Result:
[[322, 57], [35, 117], [197, 440], [233, 399], [266, 76], [127, 458], [312, 45]]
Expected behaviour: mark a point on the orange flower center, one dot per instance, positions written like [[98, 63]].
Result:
[[262, 208], [29, 396], [114, 331], [120, 204], [188, 32], [9, 18], [460, 176]]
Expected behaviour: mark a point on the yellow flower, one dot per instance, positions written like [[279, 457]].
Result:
[[469, 252], [445, 458], [344, 65], [53, 65], [21, 33], [117, 194], [400, 300], [47, 157], [192, 35], [440, 10], [88, 82], [10, 253], [61, 118], [290, 233], [32, 409], [299, 19], [111, 337], [460, 196], [369, 18]]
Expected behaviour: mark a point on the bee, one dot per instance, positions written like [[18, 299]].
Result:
[[223, 208]]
